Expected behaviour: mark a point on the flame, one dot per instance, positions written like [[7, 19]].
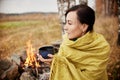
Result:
[[31, 57]]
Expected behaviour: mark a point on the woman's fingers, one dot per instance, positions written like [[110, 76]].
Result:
[[50, 55], [44, 60], [40, 58]]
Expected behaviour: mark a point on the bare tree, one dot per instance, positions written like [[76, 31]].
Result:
[[109, 7], [118, 1], [63, 5], [83, 2]]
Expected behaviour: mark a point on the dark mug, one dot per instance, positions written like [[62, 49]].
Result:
[[45, 50]]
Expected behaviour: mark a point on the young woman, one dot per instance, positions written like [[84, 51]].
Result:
[[83, 54]]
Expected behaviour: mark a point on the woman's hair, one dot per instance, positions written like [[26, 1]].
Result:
[[85, 14]]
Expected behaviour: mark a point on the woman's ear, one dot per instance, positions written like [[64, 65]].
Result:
[[85, 27]]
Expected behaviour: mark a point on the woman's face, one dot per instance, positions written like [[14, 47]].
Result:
[[73, 27]]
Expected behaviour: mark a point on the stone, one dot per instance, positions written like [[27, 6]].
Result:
[[44, 76], [11, 73], [27, 76], [16, 59], [5, 64]]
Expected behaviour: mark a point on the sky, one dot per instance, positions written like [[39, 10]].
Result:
[[22, 6]]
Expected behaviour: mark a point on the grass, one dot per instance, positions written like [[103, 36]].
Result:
[[16, 24]]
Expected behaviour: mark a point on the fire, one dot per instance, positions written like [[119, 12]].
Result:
[[31, 56]]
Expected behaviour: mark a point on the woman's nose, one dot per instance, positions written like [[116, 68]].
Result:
[[65, 27]]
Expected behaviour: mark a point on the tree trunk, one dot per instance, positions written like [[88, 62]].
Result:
[[63, 5], [105, 7], [99, 7], [109, 7], [118, 1], [83, 2]]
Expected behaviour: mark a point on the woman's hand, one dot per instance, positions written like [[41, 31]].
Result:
[[47, 61]]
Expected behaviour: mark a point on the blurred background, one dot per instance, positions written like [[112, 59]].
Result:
[[41, 21]]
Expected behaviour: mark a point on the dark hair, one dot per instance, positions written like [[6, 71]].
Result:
[[85, 14]]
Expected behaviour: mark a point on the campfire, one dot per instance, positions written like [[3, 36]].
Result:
[[26, 65], [31, 60], [32, 65], [32, 68]]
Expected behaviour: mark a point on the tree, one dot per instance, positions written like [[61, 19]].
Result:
[[83, 2], [110, 7], [63, 5], [118, 1]]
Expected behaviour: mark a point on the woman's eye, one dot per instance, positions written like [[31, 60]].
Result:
[[69, 23]]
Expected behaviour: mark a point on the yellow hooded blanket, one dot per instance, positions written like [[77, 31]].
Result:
[[83, 59]]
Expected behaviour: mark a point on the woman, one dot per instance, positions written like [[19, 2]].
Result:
[[83, 54]]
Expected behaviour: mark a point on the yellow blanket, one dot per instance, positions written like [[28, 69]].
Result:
[[83, 59]]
